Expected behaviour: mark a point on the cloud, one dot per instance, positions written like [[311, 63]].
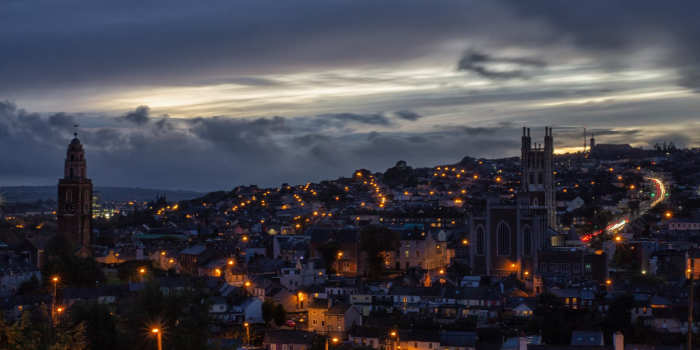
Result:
[[408, 115], [214, 153], [492, 67], [139, 116]]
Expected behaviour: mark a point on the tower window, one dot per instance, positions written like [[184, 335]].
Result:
[[503, 232], [527, 241], [480, 238]]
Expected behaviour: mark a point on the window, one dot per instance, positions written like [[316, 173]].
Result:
[[503, 231], [527, 241], [480, 238]]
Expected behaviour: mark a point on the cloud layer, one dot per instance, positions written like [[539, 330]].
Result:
[[180, 95]]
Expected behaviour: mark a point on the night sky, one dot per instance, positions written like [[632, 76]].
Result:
[[210, 95]]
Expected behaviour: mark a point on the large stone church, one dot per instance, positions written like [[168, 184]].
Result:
[[507, 236], [74, 213]]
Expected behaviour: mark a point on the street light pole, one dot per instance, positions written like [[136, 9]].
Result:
[[55, 280], [691, 301], [159, 337]]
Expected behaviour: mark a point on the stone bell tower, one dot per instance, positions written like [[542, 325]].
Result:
[[74, 213], [538, 174]]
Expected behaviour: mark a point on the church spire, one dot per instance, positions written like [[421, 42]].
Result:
[[75, 165]]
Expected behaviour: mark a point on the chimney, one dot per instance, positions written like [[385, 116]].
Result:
[[522, 343], [619, 341]]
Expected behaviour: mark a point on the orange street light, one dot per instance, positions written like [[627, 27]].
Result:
[[335, 340], [55, 279], [526, 273], [668, 214], [465, 241], [158, 334], [608, 281], [618, 238], [59, 309], [247, 332], [247, 283], [393, 333], [230, 262]]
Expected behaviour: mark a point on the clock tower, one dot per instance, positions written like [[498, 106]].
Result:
[[74, 212]]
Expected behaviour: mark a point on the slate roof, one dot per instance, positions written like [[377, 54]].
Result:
[[288, 336]]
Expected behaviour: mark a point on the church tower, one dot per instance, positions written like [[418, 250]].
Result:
[[538, 174], [74, 212]]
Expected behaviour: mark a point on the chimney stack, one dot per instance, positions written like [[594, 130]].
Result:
[[618, 341]]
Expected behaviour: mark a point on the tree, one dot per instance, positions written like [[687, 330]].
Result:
[[100, 324], [373, 241], [21, 335], [73, 338], [268, 310], [279, 315]]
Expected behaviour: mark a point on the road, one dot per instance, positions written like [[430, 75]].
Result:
[[659, 196]]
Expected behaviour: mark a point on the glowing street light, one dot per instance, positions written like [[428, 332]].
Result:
[[668, 214], [230, 262], [159, 337], [608, 282], [247, 332], [465, 242]]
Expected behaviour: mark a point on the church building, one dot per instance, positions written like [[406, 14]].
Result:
[[507, 236], [74, 213]]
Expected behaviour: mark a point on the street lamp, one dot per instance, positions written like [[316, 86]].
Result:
[[159, 337], [340, 256], [142, 272], [394, 334], [59, 310], [54, 280], [247, 332]]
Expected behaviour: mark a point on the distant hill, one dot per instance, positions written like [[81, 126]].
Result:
[[25, 194]]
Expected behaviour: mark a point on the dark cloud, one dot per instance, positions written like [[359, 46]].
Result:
[[62, 120], [211, 153], [370, 119], [487, 65], [408, 115], [139, 116], [615, 33]]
